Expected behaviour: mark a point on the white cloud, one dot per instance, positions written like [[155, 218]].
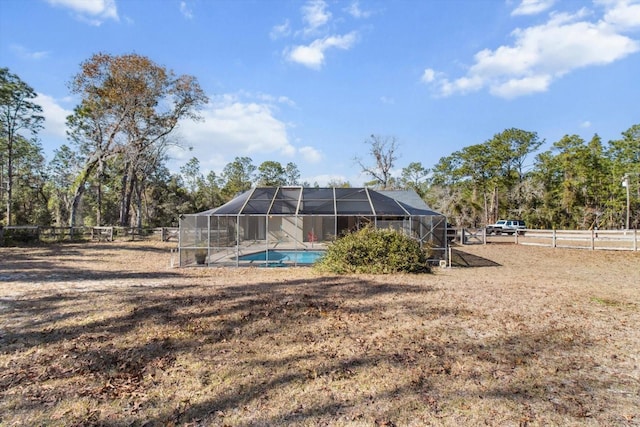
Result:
[[586, 124], [622, 14], [524, 86], [313, 55], [186, 10], [234, 125], [93, 12], [543, 53], [532, 7], [25, 53], [243, 128], [428, 76], [462, 85], [279, 31], [55, 116], [286, 100], [315, 15], [355, 11], [269, 99], [310, 154], [241, 124]]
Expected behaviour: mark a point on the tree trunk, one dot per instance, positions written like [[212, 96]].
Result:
[[77, 196], [9, 190], [99, 203], [486, 207], [89, 167], [125, 212], [123, 197], [139, 196], [9, 180], [495, 206]]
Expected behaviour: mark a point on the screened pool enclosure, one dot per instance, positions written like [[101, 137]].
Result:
[[259, 226]]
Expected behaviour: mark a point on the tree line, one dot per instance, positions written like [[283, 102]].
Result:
[[113, 170], [576, 184]]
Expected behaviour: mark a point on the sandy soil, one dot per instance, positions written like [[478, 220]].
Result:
[[512, 335]]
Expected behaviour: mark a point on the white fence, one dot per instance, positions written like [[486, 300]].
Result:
[[613, 240]]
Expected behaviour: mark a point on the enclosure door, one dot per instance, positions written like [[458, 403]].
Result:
[[256, 228]]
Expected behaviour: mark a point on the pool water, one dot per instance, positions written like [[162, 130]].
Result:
[[280, 256]]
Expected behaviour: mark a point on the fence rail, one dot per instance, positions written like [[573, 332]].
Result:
[[613, 240], [32, 233]]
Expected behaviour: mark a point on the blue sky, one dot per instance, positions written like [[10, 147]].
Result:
[[309, 81]]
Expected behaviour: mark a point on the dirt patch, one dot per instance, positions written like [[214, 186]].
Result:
[[111, 334]]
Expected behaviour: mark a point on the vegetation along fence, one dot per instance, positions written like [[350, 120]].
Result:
[[16, 234]]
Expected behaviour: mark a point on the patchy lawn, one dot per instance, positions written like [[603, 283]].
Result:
[[109, 334]]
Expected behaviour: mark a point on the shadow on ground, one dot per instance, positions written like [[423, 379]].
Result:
[[463, 259], [77, 262], [340, 350]]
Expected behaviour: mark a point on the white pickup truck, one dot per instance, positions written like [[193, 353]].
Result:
[[506, 226]]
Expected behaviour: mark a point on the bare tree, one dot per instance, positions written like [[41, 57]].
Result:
[[383, 150], [129, 107]]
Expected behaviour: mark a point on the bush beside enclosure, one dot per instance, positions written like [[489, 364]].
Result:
[[375, 251]]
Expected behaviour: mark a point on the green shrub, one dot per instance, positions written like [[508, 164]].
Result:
[[374, 251]]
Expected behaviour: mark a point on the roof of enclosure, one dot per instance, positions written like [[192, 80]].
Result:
[[323, 201]]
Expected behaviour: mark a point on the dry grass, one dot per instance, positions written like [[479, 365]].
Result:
[[108, 334]]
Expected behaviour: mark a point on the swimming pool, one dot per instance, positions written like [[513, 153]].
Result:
[[282, 256]]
